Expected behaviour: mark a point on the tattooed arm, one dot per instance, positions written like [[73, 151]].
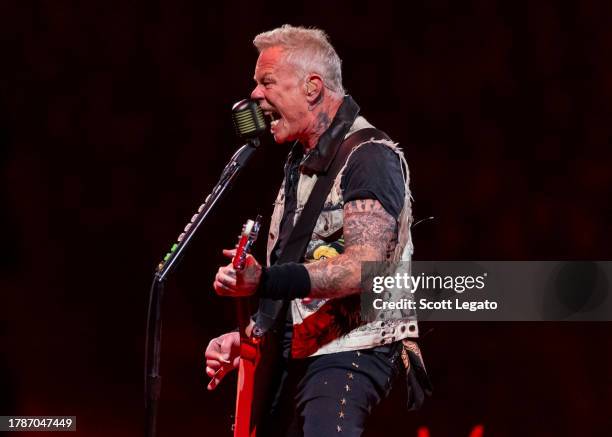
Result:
[[370, 234]]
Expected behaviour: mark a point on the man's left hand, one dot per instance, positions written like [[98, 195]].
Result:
[[237, 283]]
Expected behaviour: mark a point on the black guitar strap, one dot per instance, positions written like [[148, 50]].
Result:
[[301, 234]]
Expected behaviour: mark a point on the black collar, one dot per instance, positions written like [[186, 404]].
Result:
[[319, 159]]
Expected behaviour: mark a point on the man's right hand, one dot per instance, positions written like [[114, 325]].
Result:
[[222, 356]]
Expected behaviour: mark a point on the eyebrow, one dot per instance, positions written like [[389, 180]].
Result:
[[264, 77]]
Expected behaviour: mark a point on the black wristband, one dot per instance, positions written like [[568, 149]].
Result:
[[286, 281]]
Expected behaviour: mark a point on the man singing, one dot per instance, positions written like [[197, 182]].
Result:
[[336, 366]]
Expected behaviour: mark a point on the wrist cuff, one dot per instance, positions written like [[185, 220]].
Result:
[[286, 281]]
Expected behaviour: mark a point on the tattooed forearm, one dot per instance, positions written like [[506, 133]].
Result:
[[369, 235]]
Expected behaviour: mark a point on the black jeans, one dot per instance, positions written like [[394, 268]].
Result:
[[331, 395]]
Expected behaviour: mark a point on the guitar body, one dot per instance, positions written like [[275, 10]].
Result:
[[256, 375], [250, 356]]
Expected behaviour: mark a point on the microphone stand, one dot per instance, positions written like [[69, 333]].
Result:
[[169, 263]]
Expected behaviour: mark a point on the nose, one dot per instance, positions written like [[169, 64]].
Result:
[[257, 93]]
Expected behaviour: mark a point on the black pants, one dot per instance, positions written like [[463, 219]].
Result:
[[331, 395]]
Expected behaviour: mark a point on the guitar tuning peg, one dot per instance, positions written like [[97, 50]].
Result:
[[180, 238], [187, 227], [193, 218], [201, 208]]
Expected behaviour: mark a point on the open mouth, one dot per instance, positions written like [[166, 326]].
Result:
[[273, 116]]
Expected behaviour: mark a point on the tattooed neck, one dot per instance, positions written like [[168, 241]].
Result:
[[321, 122]]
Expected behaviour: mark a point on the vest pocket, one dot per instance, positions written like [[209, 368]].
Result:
[[329, 224]]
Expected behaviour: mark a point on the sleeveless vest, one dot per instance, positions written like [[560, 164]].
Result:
[[322, 326]]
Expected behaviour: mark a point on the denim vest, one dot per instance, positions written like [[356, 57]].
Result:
[[322, 326]]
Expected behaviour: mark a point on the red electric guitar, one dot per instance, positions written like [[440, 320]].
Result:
[[247, 404]]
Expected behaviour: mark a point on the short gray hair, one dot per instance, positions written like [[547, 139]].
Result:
[[307, 49]]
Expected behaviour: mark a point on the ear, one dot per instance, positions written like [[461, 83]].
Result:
[[313, 87]]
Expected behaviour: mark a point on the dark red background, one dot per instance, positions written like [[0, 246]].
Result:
[[115, 124]]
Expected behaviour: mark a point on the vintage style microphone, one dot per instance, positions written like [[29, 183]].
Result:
[[248, 119], [249, 123]]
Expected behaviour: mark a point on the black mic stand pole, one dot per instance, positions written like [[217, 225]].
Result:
[[153, 333]]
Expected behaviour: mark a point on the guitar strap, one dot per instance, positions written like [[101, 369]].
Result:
[[301, 234]]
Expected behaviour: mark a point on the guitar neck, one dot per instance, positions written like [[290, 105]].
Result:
[[247, 238], [243, 313]]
